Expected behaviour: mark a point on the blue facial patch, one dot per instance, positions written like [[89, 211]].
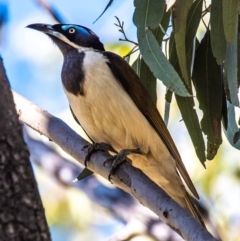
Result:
[[79, 29]]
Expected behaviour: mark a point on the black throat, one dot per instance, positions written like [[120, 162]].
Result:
[[72, 72]]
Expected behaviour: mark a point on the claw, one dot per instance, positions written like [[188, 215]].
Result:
[[91, 148], [120, 158]]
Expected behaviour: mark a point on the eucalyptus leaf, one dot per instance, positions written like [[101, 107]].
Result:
[[148, 13], [186, 107], [84, 174], [168, 99], [218, 40], [231, 69], [158, 63], [146, 76], [136, 66], [180, 15], [190, 118], [193, 20], [208, 84], [160, 31], [238, 53], [149, 80], [168, 96], [230, 15]]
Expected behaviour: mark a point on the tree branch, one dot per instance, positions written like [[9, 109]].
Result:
[[126, 177], [138, 220]]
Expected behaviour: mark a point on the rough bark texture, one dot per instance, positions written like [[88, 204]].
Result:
[[21, 211]]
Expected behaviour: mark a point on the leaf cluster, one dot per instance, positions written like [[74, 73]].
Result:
[[199, 66]]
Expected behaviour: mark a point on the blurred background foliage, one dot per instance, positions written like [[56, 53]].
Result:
[[33, 66]]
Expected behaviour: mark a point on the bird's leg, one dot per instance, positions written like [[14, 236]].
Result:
[[120, 158], [93, 147]]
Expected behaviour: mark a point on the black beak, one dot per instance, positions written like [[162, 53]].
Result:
[[54, 32], [45, 28]]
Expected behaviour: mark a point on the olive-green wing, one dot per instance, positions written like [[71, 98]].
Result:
[[136, 90]]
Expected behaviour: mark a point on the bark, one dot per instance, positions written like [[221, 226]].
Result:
[[21, 210]]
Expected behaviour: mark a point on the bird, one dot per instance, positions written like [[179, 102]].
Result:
[[109, 101]]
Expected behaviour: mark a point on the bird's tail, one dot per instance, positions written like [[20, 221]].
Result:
[[182, 197], [193, 208], [170, 181]]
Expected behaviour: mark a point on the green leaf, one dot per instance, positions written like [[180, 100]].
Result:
[[168, 100], [84, 174], [147, 77], [180, 15], [136, 66], [230, 13], [218, 40], [232, 128], [190, 118], [238, 51], [158, 63], [208, 85], [231, 69], [160, 31], [193, 20], [186, 107], [168, 96], [149, 80], [148, 13]]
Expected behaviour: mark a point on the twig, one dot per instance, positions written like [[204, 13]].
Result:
[[120, 25]]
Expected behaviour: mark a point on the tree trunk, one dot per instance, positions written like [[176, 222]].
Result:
[[21, 210]]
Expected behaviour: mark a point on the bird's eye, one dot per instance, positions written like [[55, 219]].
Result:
[[71, 30]]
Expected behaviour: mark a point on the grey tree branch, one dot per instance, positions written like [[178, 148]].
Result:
[[126, 177], [138, 219]]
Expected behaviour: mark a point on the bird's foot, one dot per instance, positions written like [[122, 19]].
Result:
[[93, 147], [119, 158]]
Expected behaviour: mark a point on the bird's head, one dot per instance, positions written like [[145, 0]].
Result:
[[70, 36]]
